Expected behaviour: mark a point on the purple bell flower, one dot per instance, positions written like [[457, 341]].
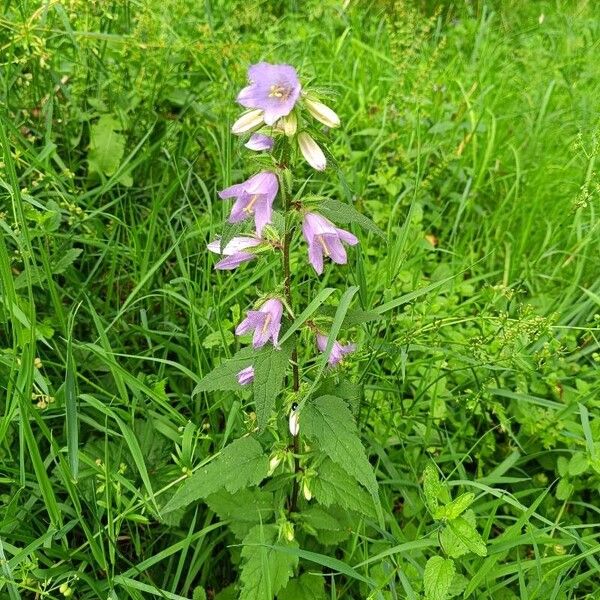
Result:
[[260, 142], [235, 252], [266, 322], [253, 197], [338, 351], [325, 239], [246, 376], [274, 89]]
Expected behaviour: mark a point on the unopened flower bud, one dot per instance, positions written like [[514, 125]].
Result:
[[306, 491], [311, 151], [289, 124], [322, 113], [287, 530], [247, 121], [294, 424], [274, 463]]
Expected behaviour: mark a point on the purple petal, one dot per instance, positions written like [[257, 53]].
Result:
[[231, 191], [347, 237], [337, 252], [259, 142], [237, 210], [253, 319], [321, 342], [246, 376], [315, 256], [234, 260], [263, 211]]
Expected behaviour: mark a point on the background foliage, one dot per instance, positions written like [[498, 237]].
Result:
[[471, 136]]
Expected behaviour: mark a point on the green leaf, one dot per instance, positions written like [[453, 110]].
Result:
[[66, 260], [564, 489], [265, 570], [305, 587], [269, 370], [469, 537], [438, 576], [328, 422], [431, 486], [578, 464], [333, 486], [245, 508], [107, 146], [224, 377], [451, 544], [242, 463], [307, 313], [329, 526], [455, 508], [343, 213]]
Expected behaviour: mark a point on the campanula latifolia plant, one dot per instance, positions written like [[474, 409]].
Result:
[[297, 476]]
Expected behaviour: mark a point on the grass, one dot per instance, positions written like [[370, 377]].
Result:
[[471, 136]]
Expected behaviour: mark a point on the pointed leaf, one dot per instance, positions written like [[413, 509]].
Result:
[[224, 377], [342, 213], [439, 573]]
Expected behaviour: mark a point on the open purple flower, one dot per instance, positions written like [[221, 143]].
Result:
[[266, 322], [274, 89], [325, 239], [253, 197], [246, 376], [235, 251], [338, 351], [260, 142]]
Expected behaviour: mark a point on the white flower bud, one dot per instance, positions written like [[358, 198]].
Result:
[[312, 152], [294, 424], [306, 491], [248, 121], [289, 124], [274, 463], [322, 113]]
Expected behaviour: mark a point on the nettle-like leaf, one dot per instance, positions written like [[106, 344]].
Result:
[[244, 509], [460, 537], [269, 370], [328, 422], [329, 525], [224, 377], [107, 146], [342, 213], [334, 486], [265, 570], [454, 509], [241, 464], [305, 587], [438, 576]]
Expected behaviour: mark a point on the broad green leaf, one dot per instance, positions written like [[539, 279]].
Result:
[[564, 489], [328, 422], [330, 526], [342, 213], [348, 391], [334, 486], [107, 146], [307, 313], [455, 508], [451, 544], [466, 533], [224, 377], [265, 570], [241, 464], [65, 260], [269, 370], [578, 464], [305, 587], [438, 576], [244, 509]]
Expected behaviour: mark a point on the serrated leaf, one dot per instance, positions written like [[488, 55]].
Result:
[[468, 536], [305, 587], [328, 422], [244, 509], [241, 464], [454, 509], [578, 464], [66, 260], [330, 526], [348, 391], [564, 489], [265, 570], [431, 486], [333, 486], [224, 377], [342, 213], [269, 370], [107, 146], [438, 576]]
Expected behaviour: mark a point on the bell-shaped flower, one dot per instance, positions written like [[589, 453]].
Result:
[[253, 197], [260, 142], [325, 239], [273, 89], [248, 121], [322, 113], [265, 322], [236, 251], [338, 351], [246, 376], [311, 151]]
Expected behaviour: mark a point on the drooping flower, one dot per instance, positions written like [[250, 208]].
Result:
[[274, 89], [247, 122], [246, 376], [325, 239], [253, 197], [266, 322], [260, 142], [322, 113], [338, 351], [235, 251], [293, 421], [311, 151]]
